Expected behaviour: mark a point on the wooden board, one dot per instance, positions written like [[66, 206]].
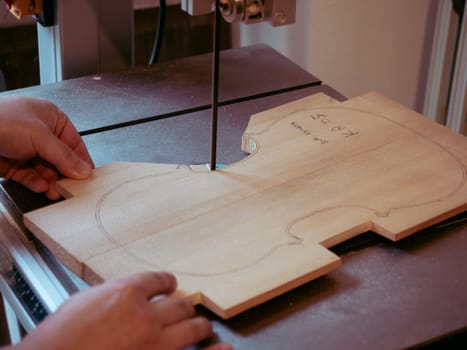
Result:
[[320, 172]]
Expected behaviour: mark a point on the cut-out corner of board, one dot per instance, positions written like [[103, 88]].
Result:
[[240, 294]]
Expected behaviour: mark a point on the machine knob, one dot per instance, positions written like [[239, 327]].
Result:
[[232, 10], [248, 11]]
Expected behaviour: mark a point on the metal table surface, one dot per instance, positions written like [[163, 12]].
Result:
[[170, 88], [386, 295]]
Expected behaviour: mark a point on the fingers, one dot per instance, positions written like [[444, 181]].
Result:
[[59, 143], [173, 310], [179, 325], [34, 175], [152, 284], [36, 178], [187, 332], [51, 177], [175, 316], [28, 177], [54, 151], [68, 134], [173, 321], [33, 128]]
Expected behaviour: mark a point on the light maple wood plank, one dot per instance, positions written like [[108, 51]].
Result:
[[319, 173]]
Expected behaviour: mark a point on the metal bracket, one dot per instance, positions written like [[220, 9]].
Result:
[[88, 37], [277, 12]]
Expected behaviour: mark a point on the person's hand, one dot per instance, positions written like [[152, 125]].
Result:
[[37, 143], [123, 314]]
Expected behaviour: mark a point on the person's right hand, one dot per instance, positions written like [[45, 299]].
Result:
[[121, 315]]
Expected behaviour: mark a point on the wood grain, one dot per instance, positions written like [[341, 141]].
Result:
[[319, 173]]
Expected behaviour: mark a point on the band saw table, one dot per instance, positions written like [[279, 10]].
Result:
[[386, 295]]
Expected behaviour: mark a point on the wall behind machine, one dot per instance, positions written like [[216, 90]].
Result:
[[357, 45], [184, 36]]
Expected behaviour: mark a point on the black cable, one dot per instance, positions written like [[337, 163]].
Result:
[[160, 33]]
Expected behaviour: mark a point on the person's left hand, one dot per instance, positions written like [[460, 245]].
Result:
[[37, 143]]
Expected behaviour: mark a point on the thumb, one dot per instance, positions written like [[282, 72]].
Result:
[[57, 153]]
